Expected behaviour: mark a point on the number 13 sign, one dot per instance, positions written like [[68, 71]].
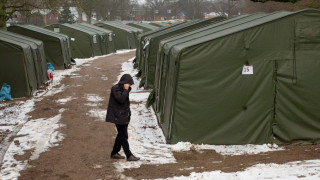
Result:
[[247, 69]]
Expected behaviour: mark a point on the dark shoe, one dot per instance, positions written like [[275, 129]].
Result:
[[133, 158], [117, 156]]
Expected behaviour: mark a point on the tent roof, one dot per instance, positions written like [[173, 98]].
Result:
[[42, 31], [78, 29], [12, 34], [115, 25], [46, 31], [11, 40], [179, 26], [145, 25], [119, 23], [89, 29], [208, 30], [236, 29], [157, 30], [96, 27]]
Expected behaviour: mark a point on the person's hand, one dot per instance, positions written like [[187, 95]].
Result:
[[126, 86]]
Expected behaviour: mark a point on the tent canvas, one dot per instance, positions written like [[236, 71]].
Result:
[[54, 44], [17, 67], [84, 43], [110, 39], [123, 38], [149, 58], [103, 37], [136, 31], [211, 99], [141, 44], [39, 58], [166, 44]]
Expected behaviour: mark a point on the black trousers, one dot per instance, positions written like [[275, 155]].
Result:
[[122, 140]]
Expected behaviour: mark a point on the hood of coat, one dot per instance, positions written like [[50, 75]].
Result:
[[126, 79]]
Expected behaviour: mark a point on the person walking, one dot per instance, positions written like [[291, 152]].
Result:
[[119, 113]]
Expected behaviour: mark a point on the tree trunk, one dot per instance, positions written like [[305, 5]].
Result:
[[3, 18], [89, 15]]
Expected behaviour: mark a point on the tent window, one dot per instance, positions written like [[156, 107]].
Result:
[[110, 37], [94, 39], [56, 30]]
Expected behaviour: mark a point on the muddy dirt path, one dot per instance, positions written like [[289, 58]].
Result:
[[84, 153]]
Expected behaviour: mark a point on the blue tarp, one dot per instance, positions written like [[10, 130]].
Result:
[[50, 66], [5, 93]]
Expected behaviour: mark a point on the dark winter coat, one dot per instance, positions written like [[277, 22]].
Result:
[[119, 105]]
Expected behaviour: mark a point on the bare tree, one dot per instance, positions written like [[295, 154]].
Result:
[[86, 6], [9, 7]]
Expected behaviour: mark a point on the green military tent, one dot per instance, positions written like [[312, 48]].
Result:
[[17, 67], [103, 37], [123, 37], [142, 44], [84, 43], [136, 31], [39, 58], [110, 40], [253, 82], [148, 59], [55, 45], [144, 26], [166, 45]]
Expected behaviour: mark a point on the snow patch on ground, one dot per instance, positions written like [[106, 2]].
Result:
[[227, 150], [100, 114], [65, 100], [91, 104], [105, 78], [139, 97], [16, 113], [36, 136], [94, 98], [294, 170]]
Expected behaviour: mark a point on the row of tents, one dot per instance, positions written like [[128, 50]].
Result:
[[26, 49], [251, 79]]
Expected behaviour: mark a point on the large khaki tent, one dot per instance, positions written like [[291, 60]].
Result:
[[56, 46], [38, 53], [148, 60], [252, 82], [84, 43], [110, 40], [124, 38], [17, 67]]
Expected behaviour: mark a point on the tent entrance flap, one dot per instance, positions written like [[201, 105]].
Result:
[[297, 109]]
